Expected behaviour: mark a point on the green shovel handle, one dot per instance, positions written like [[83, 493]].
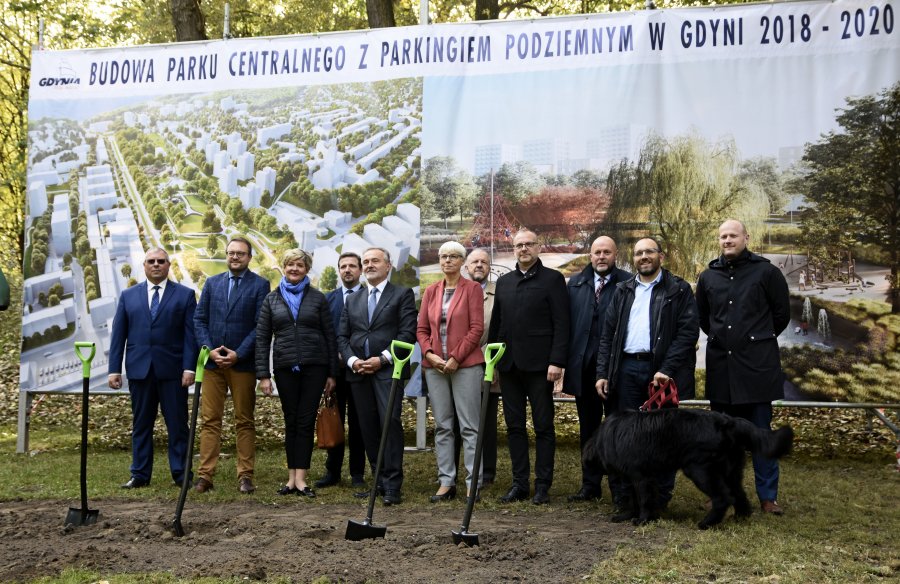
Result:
[[201, 364], [492, 354], [400, 362], [85, 361]]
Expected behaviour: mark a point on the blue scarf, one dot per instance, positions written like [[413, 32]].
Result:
[[293, 293]]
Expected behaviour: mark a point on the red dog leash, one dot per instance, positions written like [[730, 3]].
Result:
[[661, 396]]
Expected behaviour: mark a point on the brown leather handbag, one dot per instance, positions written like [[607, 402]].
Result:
[[329, 429]]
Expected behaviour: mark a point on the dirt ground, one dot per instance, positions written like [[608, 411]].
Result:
[[255, 541]]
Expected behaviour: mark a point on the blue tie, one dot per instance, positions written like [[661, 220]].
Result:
[[154, 302], [235, 282], [373, 301]]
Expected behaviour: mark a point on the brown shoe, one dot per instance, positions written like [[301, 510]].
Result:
[[202, 485], [246, 487], [771, 507]]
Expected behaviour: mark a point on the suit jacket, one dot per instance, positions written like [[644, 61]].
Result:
[[487, 295], [465, 323], [165, 342], [531, 315], [231, 322], [394, 319]]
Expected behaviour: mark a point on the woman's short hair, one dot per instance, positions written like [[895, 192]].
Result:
[[452, 247], [293, 255]]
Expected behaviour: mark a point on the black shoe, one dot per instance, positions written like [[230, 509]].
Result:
[[358, 482], [514, 494], [621, 515], [365, 494], [306, 492], [540, 496], [391, 497], [135, 483], [449, 495], [327, 481], [286, 490], [584, 494]]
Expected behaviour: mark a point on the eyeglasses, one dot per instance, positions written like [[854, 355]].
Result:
[[450, 257], [236, 254], [525, 244], [158, 262], [645, 252]]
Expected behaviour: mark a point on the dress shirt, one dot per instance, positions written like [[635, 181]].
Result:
[[162, 289], [637, 338]]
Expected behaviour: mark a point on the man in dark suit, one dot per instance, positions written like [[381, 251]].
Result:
[[589, 295], [349, 269], [531, 315], [225, 321], [155, 322], [369, 323]]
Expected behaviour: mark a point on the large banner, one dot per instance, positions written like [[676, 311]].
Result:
[[653, 122]]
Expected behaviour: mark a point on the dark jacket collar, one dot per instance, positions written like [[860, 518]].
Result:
[[745, 257], [537, 265]]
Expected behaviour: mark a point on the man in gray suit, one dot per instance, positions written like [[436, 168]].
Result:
[[369, 323]]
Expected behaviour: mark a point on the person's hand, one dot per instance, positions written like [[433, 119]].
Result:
[[265, 386], [450, 366], [435, 361], [224, 357], [329, 386], [554, 373], [115, 381], [660, 378], [602, 386], [187, 378]]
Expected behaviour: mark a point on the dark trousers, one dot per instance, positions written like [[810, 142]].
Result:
[[766, 470], [489, 442], [148, 396], [370, 397], [630, 393], [590, 413], [334, 462], [300, 392], [519, 388]]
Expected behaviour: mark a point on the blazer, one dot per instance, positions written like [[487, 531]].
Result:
[[166, 342], [394, 319], [465, 323], [488, 296], [231, 322]]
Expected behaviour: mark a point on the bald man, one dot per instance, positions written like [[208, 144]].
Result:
[[743, 304]]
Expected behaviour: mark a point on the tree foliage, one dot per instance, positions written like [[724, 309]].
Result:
[[450, 188]]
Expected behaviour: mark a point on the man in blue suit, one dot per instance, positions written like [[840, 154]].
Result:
[[154, 330], [350, 269], [225, 321]]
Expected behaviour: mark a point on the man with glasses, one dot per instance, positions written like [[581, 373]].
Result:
[[155, 319], [225, 322], [650, 336], [531, 315]]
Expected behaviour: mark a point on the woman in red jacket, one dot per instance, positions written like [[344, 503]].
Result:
[[451, 321]]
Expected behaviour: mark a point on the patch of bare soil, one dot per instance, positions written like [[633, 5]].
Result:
[[253, 540]]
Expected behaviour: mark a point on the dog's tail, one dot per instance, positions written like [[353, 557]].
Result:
[[769, 443]]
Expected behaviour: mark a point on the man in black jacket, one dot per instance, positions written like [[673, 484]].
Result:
[[743, 303], [531, 315], [650, 336], [589, 294]]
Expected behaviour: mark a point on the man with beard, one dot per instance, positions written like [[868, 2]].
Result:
[[744, 304], [531, 315], [349, 269], [650, 336], [589, 295], [225, 321]]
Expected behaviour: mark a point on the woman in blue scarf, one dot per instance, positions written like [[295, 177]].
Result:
[[295, 325]]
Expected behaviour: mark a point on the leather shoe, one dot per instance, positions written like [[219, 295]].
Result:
[[358, 482], [286, 490], [584, 494], [202, 485], [306, 492], [327, 481], [135, 483], [391, 497], [620, 515], [365, 494], [771, 507], [246, 486], [514, 494], [541, 497], [447, 495]]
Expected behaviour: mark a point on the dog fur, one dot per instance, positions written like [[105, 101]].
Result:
[[709, 447]]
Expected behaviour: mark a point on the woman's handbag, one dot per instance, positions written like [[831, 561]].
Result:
[[329, 429]]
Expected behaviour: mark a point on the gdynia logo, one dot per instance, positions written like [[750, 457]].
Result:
[[66, 77]]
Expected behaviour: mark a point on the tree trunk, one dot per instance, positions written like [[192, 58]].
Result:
[[187, 18], [380, 13], [487, 9]]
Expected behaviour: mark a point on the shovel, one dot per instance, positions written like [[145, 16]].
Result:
[[492, 357], [357, 531], [83, 516], [189, 455]]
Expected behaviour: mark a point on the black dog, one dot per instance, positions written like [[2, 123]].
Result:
[[708, 447]]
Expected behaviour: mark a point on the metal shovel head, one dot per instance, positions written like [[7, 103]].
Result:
[[357, 531], [177, 528], [77, 516], [462, 536]]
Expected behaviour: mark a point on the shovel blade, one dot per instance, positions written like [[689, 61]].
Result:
[[177, 528], [81, 516], [462, 536], [357, 531]]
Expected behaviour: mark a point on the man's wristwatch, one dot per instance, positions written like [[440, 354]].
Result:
[[383, 360]]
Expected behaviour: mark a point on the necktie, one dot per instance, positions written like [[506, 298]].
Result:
[[235, 282], [598, 290], [154, 302], [373, 301]]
